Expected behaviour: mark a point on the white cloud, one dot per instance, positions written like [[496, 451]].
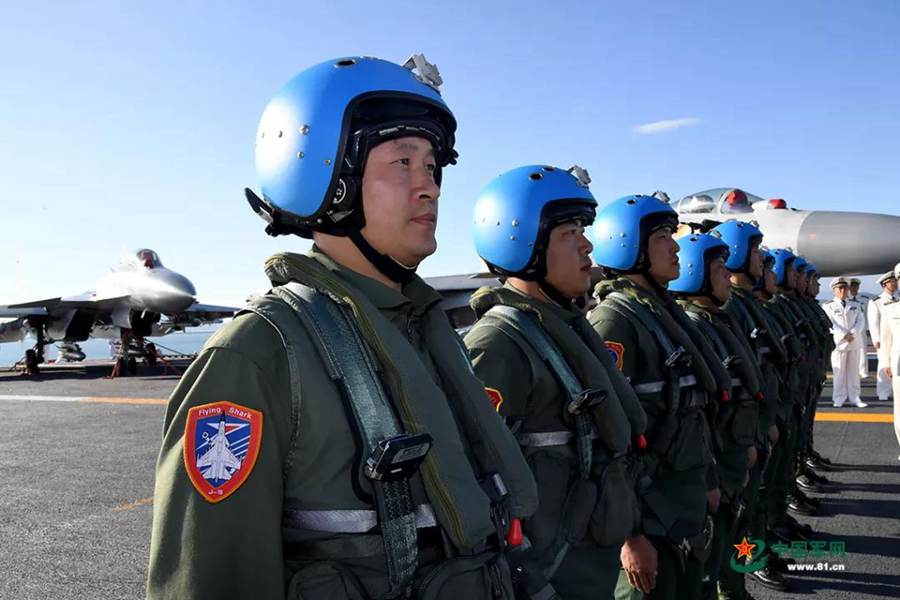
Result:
[[667, 125]]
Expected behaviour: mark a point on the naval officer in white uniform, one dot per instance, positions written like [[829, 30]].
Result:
[[864, 306], [874, 312], [848, 325], [889, 352]]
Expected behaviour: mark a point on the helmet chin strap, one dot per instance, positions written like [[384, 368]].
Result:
[[554, 294], [387, 266]]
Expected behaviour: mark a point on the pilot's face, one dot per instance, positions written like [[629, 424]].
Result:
[[720, 280], [569, 259], [756, 262], [801, 282], [769, 281], [790, 277], [662, 253], [400, 199]]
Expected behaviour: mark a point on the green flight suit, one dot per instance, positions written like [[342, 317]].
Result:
[[679, 464], [772, 356], [533, 401], [260, 542], [735, 428]]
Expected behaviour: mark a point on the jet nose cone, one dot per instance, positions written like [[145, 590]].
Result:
[[834, 241], [171, 292]]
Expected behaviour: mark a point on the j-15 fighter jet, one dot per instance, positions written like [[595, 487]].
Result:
[[138, 298], [837, 242]]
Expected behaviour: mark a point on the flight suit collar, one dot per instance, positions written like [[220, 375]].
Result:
[[417, 296]]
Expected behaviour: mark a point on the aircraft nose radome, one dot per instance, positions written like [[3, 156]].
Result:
[[829, 239]]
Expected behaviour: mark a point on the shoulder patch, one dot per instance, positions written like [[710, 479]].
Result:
[[221, 444], [495, 397], [616, 352]]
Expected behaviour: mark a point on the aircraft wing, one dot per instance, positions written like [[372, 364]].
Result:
[[205, 460], [17, 312], [88, 300]]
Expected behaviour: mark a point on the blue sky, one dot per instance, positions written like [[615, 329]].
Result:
[[127, 124]]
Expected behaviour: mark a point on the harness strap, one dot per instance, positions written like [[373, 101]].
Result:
[[353, 368]]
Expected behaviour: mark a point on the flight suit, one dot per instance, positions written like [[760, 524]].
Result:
[[679, 467], [797, 381], [302, 524], [772, 356], [735, 427], [846, 318], [889, 353], [580, 524]]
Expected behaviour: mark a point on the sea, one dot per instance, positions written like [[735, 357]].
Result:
[[182, 342]]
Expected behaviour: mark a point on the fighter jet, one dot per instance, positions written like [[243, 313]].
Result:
[[219, 458], [838, 243], [128, 302]]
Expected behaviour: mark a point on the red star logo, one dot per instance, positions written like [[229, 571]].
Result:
[[745, 548]]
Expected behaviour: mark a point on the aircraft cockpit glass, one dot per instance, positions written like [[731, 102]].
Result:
[[698, 203], [722, 200], [735, 201], [148, 258]]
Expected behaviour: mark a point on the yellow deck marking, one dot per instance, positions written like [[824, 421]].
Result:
[[856, 417], [111, 400], [135, 504]]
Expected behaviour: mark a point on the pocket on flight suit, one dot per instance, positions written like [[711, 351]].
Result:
[[325, 580], [484, 576], [743, 424], [689, 450], [616, 514], [553, 471]]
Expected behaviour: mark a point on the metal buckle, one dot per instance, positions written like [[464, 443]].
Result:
[[681, 356], [585, 399], [584, 179]]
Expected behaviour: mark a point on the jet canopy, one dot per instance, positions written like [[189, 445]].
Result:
[[717, 200], [143, 257]]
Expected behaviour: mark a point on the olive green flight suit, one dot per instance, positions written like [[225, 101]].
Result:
[[534, 403], [771, 355], [678, 464], [735, 428], [261, 542]]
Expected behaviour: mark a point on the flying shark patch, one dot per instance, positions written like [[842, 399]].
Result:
[[616, 353], [221, 444]]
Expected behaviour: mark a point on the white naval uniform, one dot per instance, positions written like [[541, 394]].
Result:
[[863, 357], [874, 314], [846, 318], [889, 352]]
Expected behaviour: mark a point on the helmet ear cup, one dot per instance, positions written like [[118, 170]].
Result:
[[344, 194]]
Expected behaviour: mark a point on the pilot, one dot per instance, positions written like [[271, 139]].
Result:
[[888, 283], [847, 327], [577, 420], [371, 463], [702, 289], [677, 377], [889, 349], [864, 304]]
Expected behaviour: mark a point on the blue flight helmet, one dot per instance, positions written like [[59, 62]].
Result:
[[740, 236], [622, 229], [696, 253], [515, 212], [784, 260], [800, 264], [768, 258], [315, 134]]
